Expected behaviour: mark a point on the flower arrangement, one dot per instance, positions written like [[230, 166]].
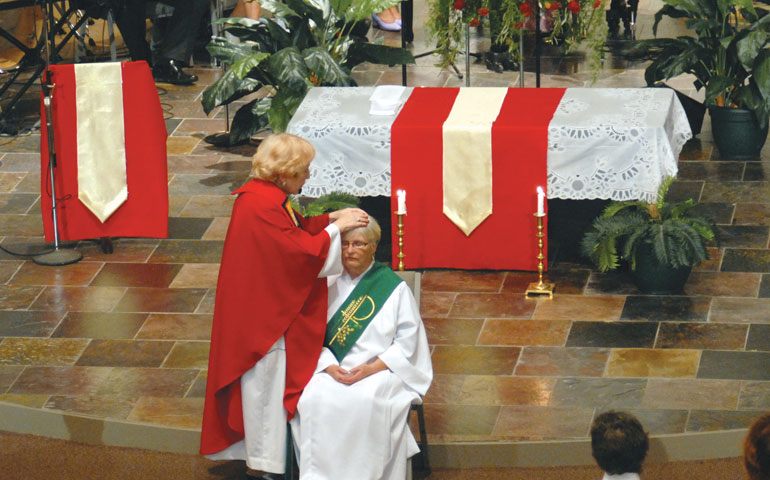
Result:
[[568, 23]]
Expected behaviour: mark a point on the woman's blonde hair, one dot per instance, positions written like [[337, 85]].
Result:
[[281, 155]]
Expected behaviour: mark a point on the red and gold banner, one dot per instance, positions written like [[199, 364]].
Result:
[[506, 239], [145, 211]]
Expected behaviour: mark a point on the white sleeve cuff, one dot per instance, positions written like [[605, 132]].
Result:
[[333, 263]]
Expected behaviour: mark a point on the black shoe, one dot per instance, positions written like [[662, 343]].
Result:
[[169, 71]]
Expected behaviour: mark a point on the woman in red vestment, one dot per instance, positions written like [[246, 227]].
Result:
[[270, 309]]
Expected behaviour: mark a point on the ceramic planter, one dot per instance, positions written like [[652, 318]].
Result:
[[736, 132], [653, 278]]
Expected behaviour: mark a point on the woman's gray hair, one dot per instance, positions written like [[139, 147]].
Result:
[[372, 231]]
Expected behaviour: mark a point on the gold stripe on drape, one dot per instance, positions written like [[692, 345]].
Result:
[[467, 148], [101, 140]]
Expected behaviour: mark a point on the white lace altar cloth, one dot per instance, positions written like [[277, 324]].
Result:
[[352, 147], [609, 143]]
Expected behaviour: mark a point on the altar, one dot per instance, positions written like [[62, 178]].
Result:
[[602, 143]]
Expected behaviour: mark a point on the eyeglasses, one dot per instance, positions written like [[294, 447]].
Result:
[[355, 245]]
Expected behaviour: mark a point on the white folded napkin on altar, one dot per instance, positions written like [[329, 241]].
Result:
[[386, 100]]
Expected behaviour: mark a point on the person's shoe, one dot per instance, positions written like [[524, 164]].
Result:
[[169, 71], [390, 27]]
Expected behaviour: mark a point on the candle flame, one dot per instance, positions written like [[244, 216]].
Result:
[[540, 190]]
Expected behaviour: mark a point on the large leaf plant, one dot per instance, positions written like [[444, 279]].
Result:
[[307, 43], [728, 52], [677, 237]]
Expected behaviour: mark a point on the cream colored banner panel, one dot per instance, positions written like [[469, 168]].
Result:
[[467, 143], [101, 140]]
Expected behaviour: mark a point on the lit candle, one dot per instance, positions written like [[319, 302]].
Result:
[[540, 201], [401, 194]]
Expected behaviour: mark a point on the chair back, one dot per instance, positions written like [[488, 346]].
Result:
[[412, 280]]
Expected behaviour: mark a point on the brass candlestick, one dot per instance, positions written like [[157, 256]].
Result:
[[400, 235], [540, 287]]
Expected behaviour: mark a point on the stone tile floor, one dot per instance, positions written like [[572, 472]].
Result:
[[125, 335]]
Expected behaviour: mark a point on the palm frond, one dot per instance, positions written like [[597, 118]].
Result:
[[675, 236], [329, 203]]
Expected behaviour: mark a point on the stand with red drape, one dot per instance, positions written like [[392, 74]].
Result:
[[506, 239], [145, 212]]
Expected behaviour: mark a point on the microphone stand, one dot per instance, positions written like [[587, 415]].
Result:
[[58, 256]]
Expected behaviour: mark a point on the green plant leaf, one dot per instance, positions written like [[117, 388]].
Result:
[[325, 67], [380, 54], [227, 52], [745, 4], [660, 198], [316, 10], [302, 36], [749, 47], [340, 7], [249, 119], [227, 89], [718, 85], [329, 203], [243, 66], [288, 67], [283, 105], [278, 8], [761, 71], [279, 38]]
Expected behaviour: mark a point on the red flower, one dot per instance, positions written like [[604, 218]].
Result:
[[483, 12], [474, 22], [526, 9], [519, 25], [597, 3], [552, 6], [458, 5], [573, 7]]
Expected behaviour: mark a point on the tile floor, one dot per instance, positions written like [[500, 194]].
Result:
[[125, 335]]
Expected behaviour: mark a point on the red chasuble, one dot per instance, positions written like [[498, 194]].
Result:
[[145, 213], [506, 239], [268, 286]]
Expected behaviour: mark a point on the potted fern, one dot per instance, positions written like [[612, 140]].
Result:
[[661, 241]]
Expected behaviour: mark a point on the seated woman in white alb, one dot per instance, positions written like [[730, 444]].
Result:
[[351, 417]]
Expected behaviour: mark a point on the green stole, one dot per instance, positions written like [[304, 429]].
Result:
[[361, 306]]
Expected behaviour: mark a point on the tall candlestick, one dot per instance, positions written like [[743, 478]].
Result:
[[540, 287], [540, 201], [401, 195], [400, 235]]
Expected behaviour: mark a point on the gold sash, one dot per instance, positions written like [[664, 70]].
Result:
[[467, 145], [101, 140]]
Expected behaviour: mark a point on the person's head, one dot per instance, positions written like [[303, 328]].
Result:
[[358, 247], [283, 159], [618, 443], [756, 449]]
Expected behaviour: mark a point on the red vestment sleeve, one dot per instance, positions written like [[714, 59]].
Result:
[[314, 225], [268, 287]]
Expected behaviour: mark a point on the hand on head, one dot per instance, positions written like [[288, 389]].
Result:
[[349, 218]]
